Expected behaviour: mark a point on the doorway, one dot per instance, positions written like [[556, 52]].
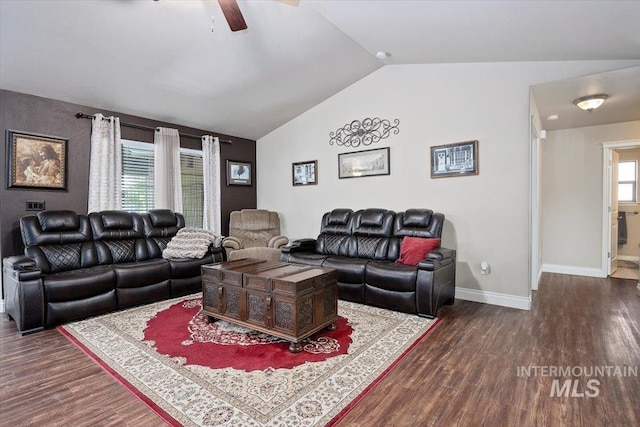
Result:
[[621, 222]]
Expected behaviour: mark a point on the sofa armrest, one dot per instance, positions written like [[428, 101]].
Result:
[[214, 249], [217, 252], [300, 245], [232, 243], [436, 283], [24, 293], [20, 263], [441, 253], [437, 258], [278, 242]]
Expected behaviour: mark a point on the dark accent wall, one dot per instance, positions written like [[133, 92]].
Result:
[[44, 116]]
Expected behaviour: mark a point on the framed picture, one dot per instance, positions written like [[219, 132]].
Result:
[[364, 163], [305, 173], [36, 161], [238, 173], [456, 159]]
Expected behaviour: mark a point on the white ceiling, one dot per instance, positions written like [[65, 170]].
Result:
[[163, 61], [622, 105]]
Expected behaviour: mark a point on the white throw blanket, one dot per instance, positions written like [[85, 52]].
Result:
[[190, 242]]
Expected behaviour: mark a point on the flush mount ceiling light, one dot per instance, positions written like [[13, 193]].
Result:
[[590, 103], [383, 55]]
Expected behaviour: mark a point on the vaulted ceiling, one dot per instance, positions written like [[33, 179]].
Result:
[[178, 61]]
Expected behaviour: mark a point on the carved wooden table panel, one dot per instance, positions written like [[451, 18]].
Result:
[[290, 301]]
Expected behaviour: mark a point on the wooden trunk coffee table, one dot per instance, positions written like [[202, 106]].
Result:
[[290, 301]]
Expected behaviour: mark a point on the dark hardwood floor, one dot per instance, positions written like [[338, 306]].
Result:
[[463, 374]]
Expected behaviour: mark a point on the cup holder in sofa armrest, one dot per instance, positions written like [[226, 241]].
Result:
[[440, 254], [20, 263], [300, 245], [434, 264]]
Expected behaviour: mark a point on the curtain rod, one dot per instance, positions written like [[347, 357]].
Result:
[[149, 128]]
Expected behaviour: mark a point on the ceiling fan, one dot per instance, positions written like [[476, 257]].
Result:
[[234, 17]]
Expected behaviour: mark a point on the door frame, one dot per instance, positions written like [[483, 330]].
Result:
[[607, 149], [535, 264]]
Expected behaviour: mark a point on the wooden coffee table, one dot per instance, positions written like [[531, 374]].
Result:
[[290, 301]]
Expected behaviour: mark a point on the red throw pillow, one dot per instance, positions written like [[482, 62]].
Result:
[[414, 249]]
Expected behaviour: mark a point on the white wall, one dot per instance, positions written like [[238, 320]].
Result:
[[572, 193], [487, 214]]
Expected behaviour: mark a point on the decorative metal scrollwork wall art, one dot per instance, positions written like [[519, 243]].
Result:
[[365, 132]]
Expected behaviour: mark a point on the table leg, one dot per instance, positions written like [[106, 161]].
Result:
[[295, 347]]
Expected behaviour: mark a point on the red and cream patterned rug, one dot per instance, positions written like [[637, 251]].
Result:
[[195, 373]]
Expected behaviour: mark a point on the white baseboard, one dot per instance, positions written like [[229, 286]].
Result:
[[1, 306], [494, 298], [574, 271], [629, 258]]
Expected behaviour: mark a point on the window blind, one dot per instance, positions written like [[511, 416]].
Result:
[[138, 184], [192, 187], [137, 176]]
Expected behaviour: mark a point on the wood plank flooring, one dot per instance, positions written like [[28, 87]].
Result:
[[463, 374]]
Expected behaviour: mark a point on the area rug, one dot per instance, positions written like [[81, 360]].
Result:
[[196, 373]]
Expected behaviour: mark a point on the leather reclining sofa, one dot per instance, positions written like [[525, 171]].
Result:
[[364, 245], [78, 265]]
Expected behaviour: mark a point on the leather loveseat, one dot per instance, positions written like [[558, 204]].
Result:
[[78, 265], [363, 247]]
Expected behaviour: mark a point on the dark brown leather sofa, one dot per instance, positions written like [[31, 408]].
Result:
[[364, 245], [76, 266]]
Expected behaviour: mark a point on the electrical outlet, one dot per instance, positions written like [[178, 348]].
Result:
[[485, 268], [35, 205]]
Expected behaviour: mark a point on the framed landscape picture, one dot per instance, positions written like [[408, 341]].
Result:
[[305, 173], [36, 161], [364, 163], [457, 159], [238, 173]]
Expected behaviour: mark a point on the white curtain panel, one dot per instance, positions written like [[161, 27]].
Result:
[[105, 164], [166, 170], [211, 179]]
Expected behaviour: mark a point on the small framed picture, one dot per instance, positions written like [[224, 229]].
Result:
[[238, 173], [36, 161], [364, 163], [305, 173], [457, 159]]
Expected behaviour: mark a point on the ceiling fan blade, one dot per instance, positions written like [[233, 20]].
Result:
[[233, 15]]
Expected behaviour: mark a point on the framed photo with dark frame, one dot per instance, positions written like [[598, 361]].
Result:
[[239, 173], [36, 161], [305, 173], [458, 159], [364, 163]]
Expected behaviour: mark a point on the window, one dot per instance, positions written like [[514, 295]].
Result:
[[192, 187], [627, 181], [137, 176], [138, 183]]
